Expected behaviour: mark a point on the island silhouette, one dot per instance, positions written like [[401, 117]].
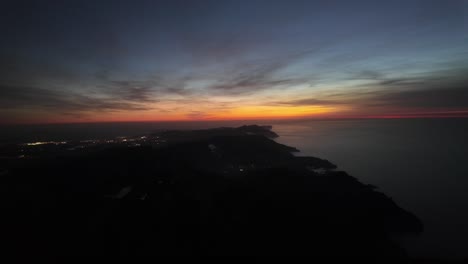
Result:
[[224, 191]]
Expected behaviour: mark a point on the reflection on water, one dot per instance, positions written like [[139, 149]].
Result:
[[421, 163]]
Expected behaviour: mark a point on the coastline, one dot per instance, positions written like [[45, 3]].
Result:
[[234, 185]]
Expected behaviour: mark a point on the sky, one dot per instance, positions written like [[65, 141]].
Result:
[[101, 61]]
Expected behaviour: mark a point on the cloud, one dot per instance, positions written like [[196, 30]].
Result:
[[428, 90], [252, 77], [401, 81], [432, 95], [135, 91], [260, 75], [14, 97], [307, 102], [198, 115], [381, 78], [139, 94], [448, 97], [368, 75], [240, 78], [144, 89]]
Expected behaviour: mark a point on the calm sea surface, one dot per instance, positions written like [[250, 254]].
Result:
[[421, 163]]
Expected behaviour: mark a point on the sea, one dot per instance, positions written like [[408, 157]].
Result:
[[421, 163]]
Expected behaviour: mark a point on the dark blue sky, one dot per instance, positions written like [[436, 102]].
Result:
[[72, 61]]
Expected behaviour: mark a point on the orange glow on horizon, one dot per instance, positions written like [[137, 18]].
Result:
[[272, 112], [233, 114]]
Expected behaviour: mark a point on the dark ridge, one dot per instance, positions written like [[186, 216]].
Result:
[[206, 192]]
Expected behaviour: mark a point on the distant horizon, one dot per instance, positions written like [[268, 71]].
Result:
[[463, 116]]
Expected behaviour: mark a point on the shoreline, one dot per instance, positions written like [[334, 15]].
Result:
[[227, 183]]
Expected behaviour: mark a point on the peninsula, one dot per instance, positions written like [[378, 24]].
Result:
[[225, 191]]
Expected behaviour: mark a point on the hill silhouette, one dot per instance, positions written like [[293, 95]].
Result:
[[228, 191]]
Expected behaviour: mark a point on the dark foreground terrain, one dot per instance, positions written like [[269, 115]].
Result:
[[227, 191]]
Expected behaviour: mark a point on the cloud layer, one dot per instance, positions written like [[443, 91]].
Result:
[[101, 61]]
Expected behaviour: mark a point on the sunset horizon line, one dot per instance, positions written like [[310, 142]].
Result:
[[259, 119]]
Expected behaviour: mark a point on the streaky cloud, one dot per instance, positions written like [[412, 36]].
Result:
[[36, 97]]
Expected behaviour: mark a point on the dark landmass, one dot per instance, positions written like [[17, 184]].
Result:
[[227, 191]]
